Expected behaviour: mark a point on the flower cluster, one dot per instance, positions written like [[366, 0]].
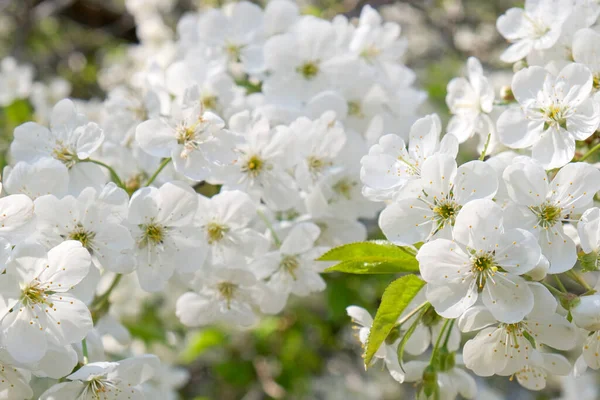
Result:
[[508, 246], [224, 161]]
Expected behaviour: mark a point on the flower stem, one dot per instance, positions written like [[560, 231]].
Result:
[[552, 289], [448, 334], [590, 152], [438, 341], [99, 303], [270, 227], [412, 313], [113, 174], [560, 284], [84, 349], [579, 279], [162, 166], [485, 147]]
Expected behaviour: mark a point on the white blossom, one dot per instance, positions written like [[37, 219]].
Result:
[[483, 259], [553, 112], [541, 206], [115, 379], [38, 307]]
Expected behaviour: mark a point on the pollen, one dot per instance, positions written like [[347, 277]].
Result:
[[185, 134], [548, 214], [65, 155], [215, 232], [309, 69], [152, 235], [253, 166], [344, 188], [290, 265], [227, 291], [83, 236], [355, 109]]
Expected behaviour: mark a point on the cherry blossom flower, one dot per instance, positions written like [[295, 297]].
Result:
[[483, 259], [38, 307], [553, 112], [541, 206]]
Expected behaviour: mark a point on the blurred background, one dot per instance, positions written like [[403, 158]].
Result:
[[309, 351]]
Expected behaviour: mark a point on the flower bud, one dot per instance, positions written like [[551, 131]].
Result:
[[586, 314], [519, 65], [506, 94], [540, 270], [430, 385], [447, 360]]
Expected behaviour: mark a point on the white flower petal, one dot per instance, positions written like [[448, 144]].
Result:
[[552, 330], [528, 82], [407, 221], [574, 82], [475, 319], [517, 251], [526, 183], [300, 239], [359, 315], [516, 131], [442, 261], [475, 180], [437, 174], [478, 225], [156, 138], [559, 249], [452, 299], [508, 297], [555, 148]]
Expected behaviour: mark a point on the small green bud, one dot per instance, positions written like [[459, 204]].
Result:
[[447, 360], [430, 317], [569, 300], [430, 384]]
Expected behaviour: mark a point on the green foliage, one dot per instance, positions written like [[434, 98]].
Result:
[[202, 341], [375, 257], [148, 327], [251, 87], [236, 372], [11, 116], [395, 299]]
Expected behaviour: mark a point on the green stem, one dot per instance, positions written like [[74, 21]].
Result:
[[579, 279], [438, 341], [100, 301], [270, 227], [113, 174], [412, 313], [485, 147], [590, 152], [162, 166], [448, 334], [84, 349], [560, 284], [552, 289]]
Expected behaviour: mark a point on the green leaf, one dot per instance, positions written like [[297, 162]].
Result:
[[384, 267], [393, 302], [375, 257], [202, 341]]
